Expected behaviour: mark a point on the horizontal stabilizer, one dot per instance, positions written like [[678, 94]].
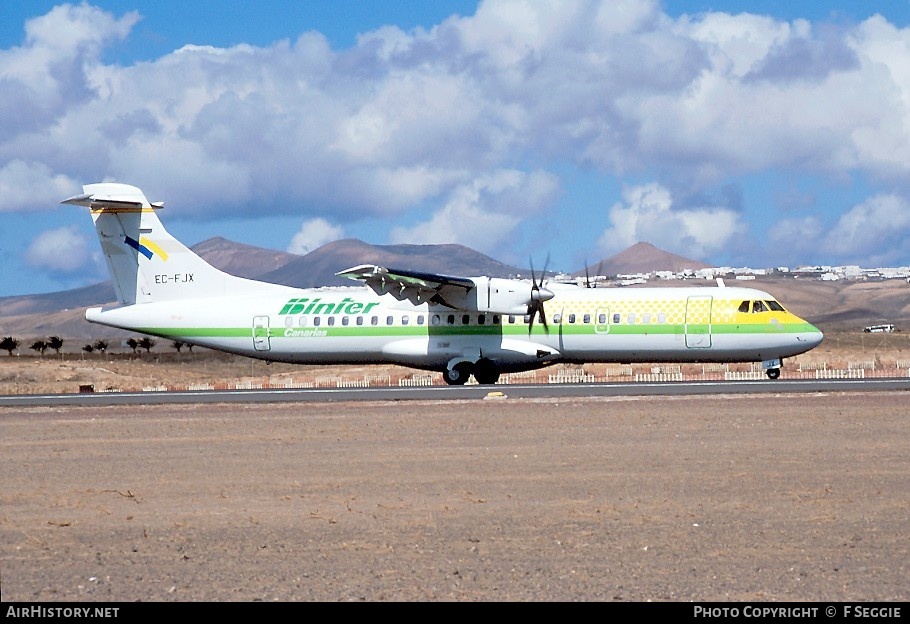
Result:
[[113, 196]]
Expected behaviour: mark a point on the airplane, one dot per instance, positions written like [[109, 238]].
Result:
[[460, 326]]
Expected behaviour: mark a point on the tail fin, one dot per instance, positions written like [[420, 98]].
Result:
[[146, 263]]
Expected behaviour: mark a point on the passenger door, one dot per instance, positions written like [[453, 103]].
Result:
[[698, 321]]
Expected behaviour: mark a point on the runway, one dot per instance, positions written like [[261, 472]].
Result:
[[444, 393], [777, 497]]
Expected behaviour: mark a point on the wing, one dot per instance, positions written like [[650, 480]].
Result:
[[415, 286]]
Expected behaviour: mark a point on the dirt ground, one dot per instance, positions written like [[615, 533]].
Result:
[[726, 498]]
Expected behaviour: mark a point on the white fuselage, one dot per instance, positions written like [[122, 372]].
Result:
[[354, 325]]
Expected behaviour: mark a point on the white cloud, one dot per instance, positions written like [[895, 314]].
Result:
[[872, 234], [868, 231], [313, 234], [414, 122], [61, 250], [795, 240], [648, 215], [484, 213], [26, 186]]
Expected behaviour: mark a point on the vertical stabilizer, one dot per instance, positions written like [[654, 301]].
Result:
[[146, 263]]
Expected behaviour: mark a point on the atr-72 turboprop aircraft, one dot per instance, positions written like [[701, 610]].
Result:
[[460, 326]]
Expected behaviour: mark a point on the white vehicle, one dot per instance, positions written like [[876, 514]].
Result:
[[875, 329], [460, 326]]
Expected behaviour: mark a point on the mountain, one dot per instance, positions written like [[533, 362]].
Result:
[[841, 304], [241, 260], [231, 257], [641, 258], [62, 313]]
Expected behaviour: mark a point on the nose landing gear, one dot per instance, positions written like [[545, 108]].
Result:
[[772, 367]]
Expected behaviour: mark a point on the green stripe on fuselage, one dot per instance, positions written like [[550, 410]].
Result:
[[579, 329]]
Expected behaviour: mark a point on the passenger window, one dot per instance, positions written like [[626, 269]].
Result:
[[527, 318], [289, 321], [374, 320], [451, 319], [496, 319], [317, 320], [331, 320], [631, 319], [360, 320], [511, 319], [345, 320], [302, 321], [389, 320], [661, 318], [616, 319], [744, 306], [586, 319], [481, 319], [646, 318], [557, 318], [404, 319], [420, 319], [571, 318]]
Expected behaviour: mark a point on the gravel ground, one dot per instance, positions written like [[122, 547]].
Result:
[[731, 498]]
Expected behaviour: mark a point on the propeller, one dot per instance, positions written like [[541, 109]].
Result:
[[588, 283], [538, 296]]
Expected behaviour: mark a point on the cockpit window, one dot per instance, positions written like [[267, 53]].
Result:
[[758, 306], [744, 306], [775, 306]]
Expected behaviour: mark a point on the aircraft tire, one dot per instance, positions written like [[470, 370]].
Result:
[[485, 372], [773, 373], [459, 374]]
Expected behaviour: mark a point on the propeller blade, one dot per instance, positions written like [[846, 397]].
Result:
[[538, 296]]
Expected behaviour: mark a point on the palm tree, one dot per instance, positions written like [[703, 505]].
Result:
[[133, 344], [9, 344], [55, 343], [147, 344], [88, 348], [178, 344], [39, 346], [100, 345]]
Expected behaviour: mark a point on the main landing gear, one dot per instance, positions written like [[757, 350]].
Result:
[[484, 371]]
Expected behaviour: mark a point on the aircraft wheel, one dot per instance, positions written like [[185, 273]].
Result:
[[485, 372], [459, 374], [773, 373]]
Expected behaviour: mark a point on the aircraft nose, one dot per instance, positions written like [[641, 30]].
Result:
[[811, 338]]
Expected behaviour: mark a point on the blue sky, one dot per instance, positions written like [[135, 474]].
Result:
[[737, 133]]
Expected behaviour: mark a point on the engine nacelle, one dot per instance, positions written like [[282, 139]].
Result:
[[500, 296]]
